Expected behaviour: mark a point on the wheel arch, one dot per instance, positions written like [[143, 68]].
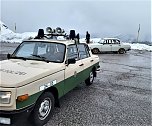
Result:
[[55, 93], [94, 71], [94, 49], [121, 48]]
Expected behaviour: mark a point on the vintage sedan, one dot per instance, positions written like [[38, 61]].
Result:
[[109, 45], [39, 73]]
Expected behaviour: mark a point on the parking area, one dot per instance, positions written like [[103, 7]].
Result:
[[120, 94]]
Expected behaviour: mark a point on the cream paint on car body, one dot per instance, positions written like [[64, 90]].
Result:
[[34, 72]]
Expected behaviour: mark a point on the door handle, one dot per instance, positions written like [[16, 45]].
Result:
[[81, 64], [91, 60]]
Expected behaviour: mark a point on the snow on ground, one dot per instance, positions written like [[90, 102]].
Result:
[[17, 37], [6, 35], [137, 46], [4, 29]]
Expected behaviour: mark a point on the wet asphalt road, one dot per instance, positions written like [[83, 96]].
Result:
[[119, 96]]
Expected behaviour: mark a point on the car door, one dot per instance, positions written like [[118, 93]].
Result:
[[72, 71], [106, 47], [115, 45], [86, 59]]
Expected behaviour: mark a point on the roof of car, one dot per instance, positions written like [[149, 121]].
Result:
[[66, 42]]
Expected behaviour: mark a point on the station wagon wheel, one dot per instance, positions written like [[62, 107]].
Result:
[[95, 51], [90, 79], [43, 109], [121, 51]]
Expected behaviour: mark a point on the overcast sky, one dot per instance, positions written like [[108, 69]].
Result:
[[99, 17]]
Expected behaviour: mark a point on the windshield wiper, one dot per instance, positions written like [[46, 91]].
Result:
[[15, 57], [41, 57]]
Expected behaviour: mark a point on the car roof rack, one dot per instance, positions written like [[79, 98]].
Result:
[[54, 33]]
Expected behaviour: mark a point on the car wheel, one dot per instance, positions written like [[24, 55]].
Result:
[[43, 109], [90, 79], [95, 51], [121, 51]]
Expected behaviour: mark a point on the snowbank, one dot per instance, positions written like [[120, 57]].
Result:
[[137, 46], [6, 35], [4, 29]]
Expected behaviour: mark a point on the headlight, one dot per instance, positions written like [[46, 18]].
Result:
[[5, 97]]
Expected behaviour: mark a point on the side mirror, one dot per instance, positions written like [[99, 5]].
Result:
[[8, 56], [71, 61]]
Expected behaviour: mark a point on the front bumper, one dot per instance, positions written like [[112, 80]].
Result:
[[16, 117]]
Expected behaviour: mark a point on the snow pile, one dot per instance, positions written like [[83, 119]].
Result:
[[6, 35], [16, 37], [4, 29], [137, 46]]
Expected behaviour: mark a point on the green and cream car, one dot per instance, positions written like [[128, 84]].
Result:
[[38, 73]]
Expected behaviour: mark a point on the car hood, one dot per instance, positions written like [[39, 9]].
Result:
[[17, 72]]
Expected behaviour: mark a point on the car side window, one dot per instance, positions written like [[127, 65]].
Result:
[[115, 41], [105, 42], [109, 41], [83, 51], [72, 52], [118, 41]]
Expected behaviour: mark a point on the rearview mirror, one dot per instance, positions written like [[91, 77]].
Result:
[[8, 56]]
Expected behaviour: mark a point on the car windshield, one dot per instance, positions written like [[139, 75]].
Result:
[[44, 51]]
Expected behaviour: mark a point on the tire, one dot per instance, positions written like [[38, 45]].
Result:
[[121, 51], [95, 51], [43, 109], [90, 79]]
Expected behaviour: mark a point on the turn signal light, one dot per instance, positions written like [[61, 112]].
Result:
[[22, 97]]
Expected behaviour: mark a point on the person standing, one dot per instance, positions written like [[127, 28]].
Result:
[[87, 37]]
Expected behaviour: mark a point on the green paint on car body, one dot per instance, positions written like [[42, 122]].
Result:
[[31, 100]]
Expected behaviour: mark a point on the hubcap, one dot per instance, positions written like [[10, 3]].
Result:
[[91, 77], [95, 51], [121, 51], [45, 108]]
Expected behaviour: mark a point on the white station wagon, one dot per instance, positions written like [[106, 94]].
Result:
[[109, 45], [38, 73]]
